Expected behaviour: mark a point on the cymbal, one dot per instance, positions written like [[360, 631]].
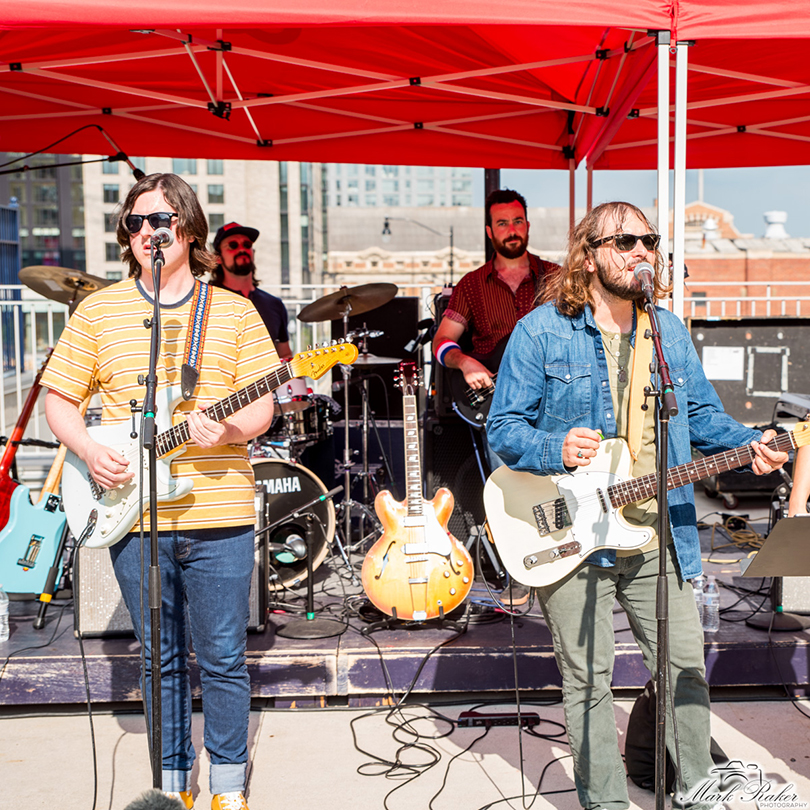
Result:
[[373, 360], [359, 299], [61, 283]]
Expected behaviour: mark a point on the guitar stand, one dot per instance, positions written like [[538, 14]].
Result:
[[49, 588], [392, 622]]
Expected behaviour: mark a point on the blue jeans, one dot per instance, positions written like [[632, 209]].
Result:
[[205, 581], [579, 614]]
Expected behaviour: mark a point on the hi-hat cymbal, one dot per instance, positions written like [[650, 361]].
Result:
[[373, 360], [358, 300], [61, 283]]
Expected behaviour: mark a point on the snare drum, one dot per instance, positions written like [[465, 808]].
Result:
[[290, 486], [294, 396]]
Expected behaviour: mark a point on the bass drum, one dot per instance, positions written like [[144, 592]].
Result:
[[290, 486]]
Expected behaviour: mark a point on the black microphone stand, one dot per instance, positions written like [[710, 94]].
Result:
[[155, 595], [309, 627], [667, 408]]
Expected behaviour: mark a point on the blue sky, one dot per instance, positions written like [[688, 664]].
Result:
[[746, 193]]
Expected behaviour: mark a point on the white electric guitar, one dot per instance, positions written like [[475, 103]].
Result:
[[545, 526], [108, 514]]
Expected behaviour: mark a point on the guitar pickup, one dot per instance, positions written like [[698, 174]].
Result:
[[551, 554], [551, 516]]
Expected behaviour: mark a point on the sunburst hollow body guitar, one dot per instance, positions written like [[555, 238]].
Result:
[[417, 570]]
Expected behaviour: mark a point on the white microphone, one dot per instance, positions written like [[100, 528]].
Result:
[[162, 237], [645, 273]]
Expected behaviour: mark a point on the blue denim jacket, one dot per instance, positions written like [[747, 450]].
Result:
[[554, 377]]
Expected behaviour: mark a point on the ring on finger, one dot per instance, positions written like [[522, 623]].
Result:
[[579, 454]]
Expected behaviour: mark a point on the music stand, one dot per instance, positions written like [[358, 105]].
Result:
[[785, 552]]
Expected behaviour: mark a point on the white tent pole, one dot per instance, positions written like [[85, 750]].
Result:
[[663, 145], [589, 198], [571, 194], [679, 208]]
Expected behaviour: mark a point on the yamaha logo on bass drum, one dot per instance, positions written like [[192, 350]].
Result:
[[277, 486]]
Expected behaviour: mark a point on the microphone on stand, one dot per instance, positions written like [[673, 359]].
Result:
[[293, 548], [645, 273], [162, 237]]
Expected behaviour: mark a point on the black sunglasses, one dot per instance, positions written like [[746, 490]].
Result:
[[161, 219], [624, 242], [234, 245]]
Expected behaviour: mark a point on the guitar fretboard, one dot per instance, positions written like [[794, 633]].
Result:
[[413, 463], [637, 489], [172, 438]]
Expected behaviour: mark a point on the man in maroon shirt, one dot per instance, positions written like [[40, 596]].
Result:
[[490, 301]]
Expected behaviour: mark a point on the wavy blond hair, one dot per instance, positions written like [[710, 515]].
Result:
[[570, 288]]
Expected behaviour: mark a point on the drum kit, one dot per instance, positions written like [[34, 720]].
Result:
[[304, 420]]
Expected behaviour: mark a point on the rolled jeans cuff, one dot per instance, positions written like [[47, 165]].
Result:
[[228, 777], [176, 781]]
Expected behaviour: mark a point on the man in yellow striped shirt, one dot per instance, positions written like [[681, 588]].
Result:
[[205, 538]]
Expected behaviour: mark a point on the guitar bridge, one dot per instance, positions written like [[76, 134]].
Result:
[[95, 489], [551, 516], [551, 554]]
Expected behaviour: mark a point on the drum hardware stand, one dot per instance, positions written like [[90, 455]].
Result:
[[310, 627]]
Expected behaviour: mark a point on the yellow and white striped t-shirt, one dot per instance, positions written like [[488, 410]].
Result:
[[107, 328]]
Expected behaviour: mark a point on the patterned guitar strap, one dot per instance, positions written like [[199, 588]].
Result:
[[195, 337], [642, 357]]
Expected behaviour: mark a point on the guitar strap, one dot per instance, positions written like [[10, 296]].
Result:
[[195, 337], [642, 357]]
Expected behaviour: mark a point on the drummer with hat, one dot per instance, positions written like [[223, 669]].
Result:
[[236, 271]]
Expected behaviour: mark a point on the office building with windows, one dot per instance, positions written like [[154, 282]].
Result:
[[355, 185], [51, 208], [285, 201]]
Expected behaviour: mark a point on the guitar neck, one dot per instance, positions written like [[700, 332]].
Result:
[[17, 433], [413, 461], [638, 489], [175, 436]]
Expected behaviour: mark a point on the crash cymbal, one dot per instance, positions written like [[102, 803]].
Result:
[[359, 300], [61, 283], [373, 360]]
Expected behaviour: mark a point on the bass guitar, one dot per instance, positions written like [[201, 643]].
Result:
[[417, 570], [473, 404], [545, 526], [107, 515], [7, 484]]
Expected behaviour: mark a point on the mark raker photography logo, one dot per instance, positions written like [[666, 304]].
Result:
[[747, 783]]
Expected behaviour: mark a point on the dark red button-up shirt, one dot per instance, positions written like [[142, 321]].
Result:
[[487, 307]]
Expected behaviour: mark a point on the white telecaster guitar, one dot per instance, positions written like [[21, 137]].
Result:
[[544, 526], [109, 514]]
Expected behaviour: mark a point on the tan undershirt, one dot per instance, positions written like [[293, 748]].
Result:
[[619, 353]]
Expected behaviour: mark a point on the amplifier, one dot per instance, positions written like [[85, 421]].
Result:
[[99, 606]]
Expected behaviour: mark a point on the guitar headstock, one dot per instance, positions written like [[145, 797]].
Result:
[[316, 362], [801, 434], [408, 377]]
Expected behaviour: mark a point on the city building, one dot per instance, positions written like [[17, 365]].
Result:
[[283, 200], [51, 207], [367, 186]]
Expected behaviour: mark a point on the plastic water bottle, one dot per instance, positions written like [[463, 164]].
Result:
[[711, 606], [3, 615], [697, 587]]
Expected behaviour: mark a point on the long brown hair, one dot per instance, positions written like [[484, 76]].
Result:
[[570, 288], [191, 221]]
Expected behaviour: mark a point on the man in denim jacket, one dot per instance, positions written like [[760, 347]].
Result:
[[564, 384]]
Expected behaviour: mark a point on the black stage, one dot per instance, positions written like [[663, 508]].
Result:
[[353, 667]]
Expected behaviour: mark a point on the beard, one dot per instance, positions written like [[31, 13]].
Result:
[[619, 284], [242, 268], [514, 250]]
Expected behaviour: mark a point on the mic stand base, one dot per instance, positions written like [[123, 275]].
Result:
[[779, 622], [311, 628]]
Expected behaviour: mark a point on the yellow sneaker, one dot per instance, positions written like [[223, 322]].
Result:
[[185, 797], [229, 801]]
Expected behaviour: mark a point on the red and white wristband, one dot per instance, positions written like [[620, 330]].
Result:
[[444, 347]]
